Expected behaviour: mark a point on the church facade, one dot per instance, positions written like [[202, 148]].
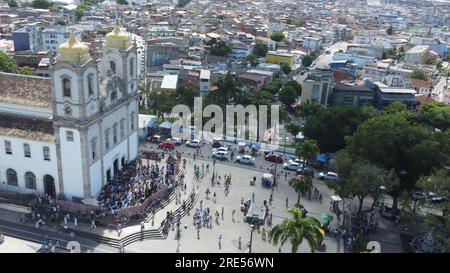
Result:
[[68, 135]]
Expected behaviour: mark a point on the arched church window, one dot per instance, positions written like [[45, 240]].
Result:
[[107, 139], [11, 177], [132, 121], [94, 148], [30, 180], [115, 133], [131, 66], [66, 87], [90, 82], [122, 129], [112, 66]]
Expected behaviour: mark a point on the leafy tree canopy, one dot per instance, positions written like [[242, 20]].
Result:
[[277, 36], [7, 64]]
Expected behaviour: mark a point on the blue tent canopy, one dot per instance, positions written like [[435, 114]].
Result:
[[321, 158], [166, 125]]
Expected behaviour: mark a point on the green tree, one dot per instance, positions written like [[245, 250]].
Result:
[[183, 3], [186, 94], [260, 50], [277, 36], [308, 109], [13, 3], [229, 89], [436, 115], [295, 85], [439, 183], [122, 2], [307, 60], [211, 42], [220, 48], [307, 150], [54, 8], [81, 9], [394, 141], [7, 64], [288, 95], [301, 186], [26, 71], [293, 128], [252, 59], [286, 68], [330, 126], [419, 74], [297, 229], [390, 30], [270, 88], [41, 4]]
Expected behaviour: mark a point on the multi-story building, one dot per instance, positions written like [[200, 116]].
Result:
[[68, 135], [417, 55], [161, 51], [279, 57], [52, 38], [161, 29], [240, 50], [317, 86]]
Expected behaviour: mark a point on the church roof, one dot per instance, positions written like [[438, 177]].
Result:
[[118, 38], [73, 51], [25, 90], [26, 127]]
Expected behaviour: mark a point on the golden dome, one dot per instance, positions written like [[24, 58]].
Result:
[[73, 51], [118, 38]]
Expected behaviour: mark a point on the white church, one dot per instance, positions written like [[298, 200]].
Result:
[[68, 135]]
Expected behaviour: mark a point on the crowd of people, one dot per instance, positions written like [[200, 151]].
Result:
[[134, 183]]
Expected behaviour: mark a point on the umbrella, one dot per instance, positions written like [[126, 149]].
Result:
[[322, 232], [326, 217]]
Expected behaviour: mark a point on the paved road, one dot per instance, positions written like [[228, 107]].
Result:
[[36, 235]]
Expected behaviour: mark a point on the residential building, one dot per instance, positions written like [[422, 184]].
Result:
[[317, 86], [280, 57], [417, 55]]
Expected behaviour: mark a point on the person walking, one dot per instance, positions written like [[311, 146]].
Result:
[[93, 226], [75, 222], [239, 243], [142, 226], [119, 229], [232, 214], [285, 175], [287, 202], [222, 212], [220, 241], [253, 197]]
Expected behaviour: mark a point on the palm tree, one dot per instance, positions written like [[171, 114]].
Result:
[[308, 149], [301, 186], [296, 229], [293, 128]]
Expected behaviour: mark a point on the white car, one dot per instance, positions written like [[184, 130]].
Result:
[[245, 159], [193, 143], [292, 165], [176, 140], [221, 155], [223, 149], [328, 176]]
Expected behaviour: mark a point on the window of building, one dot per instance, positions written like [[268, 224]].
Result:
[[30, 180], [115, 133], [26, 150], [11, 177], [8, 148], [131, 66], [46, 151], [112, 66], [69, 135], [66, 87], [90, 82], [107, 139], [94, 148], [132, 121], [122, 129]]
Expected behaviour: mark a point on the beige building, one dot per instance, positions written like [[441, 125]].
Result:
[[317, 86], [418, 55]]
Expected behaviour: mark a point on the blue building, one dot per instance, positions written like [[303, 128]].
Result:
[[21, 40]]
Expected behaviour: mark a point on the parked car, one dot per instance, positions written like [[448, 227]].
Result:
[[193, 143], [176, 140], [167, 145], [221, 155], [417, 195], [215, 150], [328, 176], [436, 198], [274, 158], [245, 159], [292, 166], [306, 170]]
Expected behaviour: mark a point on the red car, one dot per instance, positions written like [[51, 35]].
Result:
[[166, 145], [274, 158]]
